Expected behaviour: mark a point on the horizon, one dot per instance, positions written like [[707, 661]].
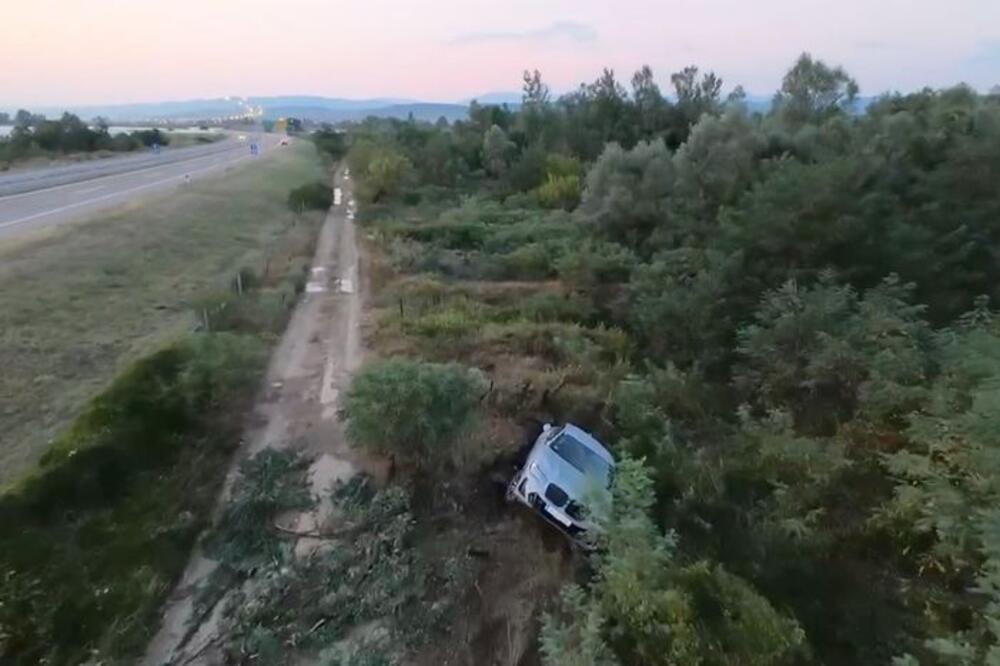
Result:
[[196, 52], [391, 100]]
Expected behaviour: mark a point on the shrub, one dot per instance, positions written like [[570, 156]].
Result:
[[560, 192], [450, 322], [331, 142], [595, 263], [533, 261], [151, 137], [314, 196], [548, 306], [411, 409]]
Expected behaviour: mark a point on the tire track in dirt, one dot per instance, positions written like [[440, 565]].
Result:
[[297, 409]]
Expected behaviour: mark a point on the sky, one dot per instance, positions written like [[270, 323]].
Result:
[[116, 51]]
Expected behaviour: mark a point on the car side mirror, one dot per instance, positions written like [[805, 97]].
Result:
[[547, 427]]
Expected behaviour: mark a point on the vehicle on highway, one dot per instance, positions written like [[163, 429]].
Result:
[[566, 469], [284, 142], [241, 137]]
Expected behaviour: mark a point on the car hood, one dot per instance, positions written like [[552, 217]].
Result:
[[555, 469]]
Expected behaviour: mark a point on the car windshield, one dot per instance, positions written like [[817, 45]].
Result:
[[587, 461]]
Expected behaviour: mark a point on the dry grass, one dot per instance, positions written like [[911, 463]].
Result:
[[79, 303]]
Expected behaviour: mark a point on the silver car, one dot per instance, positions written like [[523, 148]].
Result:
[[565, 467]]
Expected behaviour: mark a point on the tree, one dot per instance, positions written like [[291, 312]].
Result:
[[948, 486], [497, 150], [695, 97], [573, 635], [717, 163], [535, 118], [827, 354], [439, 160], [411, 409], [24, 118], [651, 107], [535, 92], [680, 306], [650, 610], [628, 192], [331, 142], [610, 109], [4, 118], [811, 91], [382, 171]]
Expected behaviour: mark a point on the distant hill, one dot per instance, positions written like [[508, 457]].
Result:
[[311, 107], [426, 111], [498, 98], [322, 109]]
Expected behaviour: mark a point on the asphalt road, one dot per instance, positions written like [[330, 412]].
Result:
[[64, 194]]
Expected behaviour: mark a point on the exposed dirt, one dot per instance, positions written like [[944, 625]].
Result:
[[297, 409]]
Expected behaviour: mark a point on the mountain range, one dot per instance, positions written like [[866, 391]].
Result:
[[309, 107], [321, 109]]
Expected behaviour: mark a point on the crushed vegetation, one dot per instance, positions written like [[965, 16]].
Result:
[[364, 593]]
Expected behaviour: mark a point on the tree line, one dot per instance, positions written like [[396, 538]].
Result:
[[33, 134], [809, 469]]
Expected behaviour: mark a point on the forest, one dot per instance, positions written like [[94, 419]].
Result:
[[782, 323]]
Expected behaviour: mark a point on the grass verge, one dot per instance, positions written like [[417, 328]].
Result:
[[78, 305], [94, 536]]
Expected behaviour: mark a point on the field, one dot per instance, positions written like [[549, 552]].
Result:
[[78, 304]]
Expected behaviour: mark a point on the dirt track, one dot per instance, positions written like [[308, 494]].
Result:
[[297, 409]]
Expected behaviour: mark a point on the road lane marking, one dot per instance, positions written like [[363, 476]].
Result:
[[91, 189], [78, 204]]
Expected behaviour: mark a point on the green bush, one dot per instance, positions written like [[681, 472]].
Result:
[[411, 409], [151, 137], [560, 192], [314, 196], [534, 261], [331, 142], [550, 306]]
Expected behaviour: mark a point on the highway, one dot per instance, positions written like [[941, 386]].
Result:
[[46, 197]]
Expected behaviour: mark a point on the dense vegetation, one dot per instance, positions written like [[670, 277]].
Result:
[[781, 322], [34, 136]]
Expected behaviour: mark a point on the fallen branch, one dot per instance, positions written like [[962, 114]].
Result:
[[290, 532], [319, 623]]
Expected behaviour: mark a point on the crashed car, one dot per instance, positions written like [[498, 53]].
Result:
[[566, 469]]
